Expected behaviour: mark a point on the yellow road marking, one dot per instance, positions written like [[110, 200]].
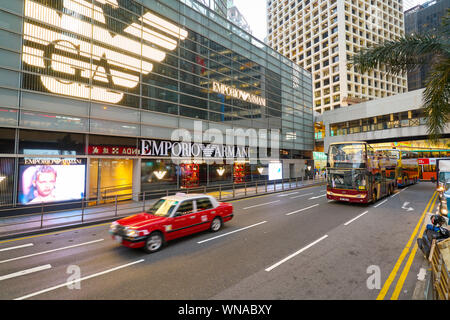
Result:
[[407, 267], [405, 251]]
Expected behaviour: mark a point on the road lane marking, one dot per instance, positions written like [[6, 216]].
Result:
[[407, 267], [295, 254], [288, 194], [78, 280], [288, 214], [17, 247], [261, 204], [49, 251], [272, 193], [56, 232], [399, 192], [405, 251], [228, 233], [302, 195], [25, 272], [381, 203], [357, 217], [312, 198]]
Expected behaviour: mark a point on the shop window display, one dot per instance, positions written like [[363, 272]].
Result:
[[239, 172], [190, 175], [158, 175]]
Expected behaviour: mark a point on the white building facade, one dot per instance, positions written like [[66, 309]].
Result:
[[321, 36]]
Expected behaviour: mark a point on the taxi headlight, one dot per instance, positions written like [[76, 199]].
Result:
[[113, 226], [131, 233]]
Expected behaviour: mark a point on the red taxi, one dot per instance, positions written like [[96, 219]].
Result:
[[170, 218]]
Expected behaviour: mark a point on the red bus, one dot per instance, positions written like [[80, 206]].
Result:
[[427, 162], [358, 173]]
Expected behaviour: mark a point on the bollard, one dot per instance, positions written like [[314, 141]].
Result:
[[234, 194], [220, 191], [245, 188], [116, 204], [256, 187], [42, 214], [143, 205], [82, 210], [265, 184]]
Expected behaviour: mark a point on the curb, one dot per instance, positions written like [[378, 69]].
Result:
[[421, 291], [106, 220]]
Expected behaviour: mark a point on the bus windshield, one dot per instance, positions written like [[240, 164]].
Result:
[[393, 154], [347, 155], [347, 179]]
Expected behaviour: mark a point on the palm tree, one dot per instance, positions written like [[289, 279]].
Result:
[[410, 52]]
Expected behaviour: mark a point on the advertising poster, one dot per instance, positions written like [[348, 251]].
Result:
[[49, 183], [275, 171]]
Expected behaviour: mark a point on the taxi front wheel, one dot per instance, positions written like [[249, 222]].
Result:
[[154, 242]]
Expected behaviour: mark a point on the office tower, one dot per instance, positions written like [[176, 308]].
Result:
[[235, 16], [321, 36], [424, 19]]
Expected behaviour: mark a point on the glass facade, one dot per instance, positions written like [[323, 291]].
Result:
[[411, 118], [74, 70]]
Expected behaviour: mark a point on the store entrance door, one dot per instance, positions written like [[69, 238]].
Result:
[[110, 179]]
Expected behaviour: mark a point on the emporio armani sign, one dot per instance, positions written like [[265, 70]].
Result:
[[189, 149]]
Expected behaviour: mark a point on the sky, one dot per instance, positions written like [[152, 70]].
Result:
[[254, 12]]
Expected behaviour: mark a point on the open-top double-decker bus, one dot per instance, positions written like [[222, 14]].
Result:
[[358, 173]]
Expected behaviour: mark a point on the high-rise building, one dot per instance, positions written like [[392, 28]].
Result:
[[235, 16], [424, 19], [101, 91], [321, 36]]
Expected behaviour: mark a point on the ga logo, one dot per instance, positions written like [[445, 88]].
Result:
[[76, 54]]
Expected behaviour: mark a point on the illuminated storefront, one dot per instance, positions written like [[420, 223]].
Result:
[[89, 80]]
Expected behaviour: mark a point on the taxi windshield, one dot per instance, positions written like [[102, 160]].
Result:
[[163, 208]]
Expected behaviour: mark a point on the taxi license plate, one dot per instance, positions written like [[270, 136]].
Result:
[[344, 199], [118, 239]]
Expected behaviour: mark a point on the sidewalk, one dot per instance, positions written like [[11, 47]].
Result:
[[30, 224], [424, 287]]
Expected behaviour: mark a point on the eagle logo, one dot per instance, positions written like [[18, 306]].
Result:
[[76, 55]]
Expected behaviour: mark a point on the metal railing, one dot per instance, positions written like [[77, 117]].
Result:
[[89, 210], [440, 274]]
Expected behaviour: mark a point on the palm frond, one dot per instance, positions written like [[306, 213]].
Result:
[[401, 55], [436, 99]]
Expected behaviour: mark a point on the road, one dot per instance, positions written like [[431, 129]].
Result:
[[291, 245]]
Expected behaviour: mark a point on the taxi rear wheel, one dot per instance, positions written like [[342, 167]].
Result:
[[154, 242], [216, 224]]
